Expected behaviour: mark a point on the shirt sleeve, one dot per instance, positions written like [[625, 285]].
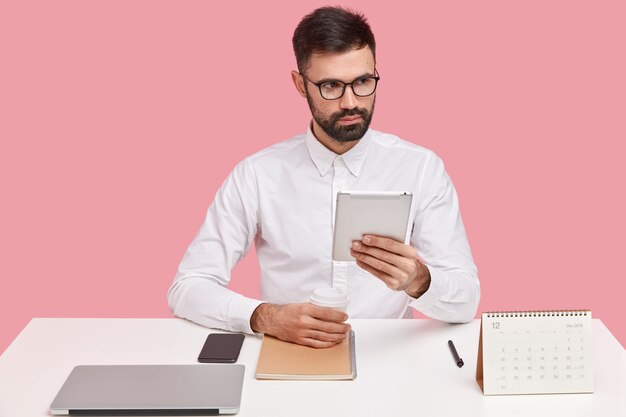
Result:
[[441, 243], [199, 292]]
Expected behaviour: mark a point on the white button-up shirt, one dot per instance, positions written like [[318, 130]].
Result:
[[283, 198]]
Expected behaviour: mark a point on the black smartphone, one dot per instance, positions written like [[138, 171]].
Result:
[[221, 348]]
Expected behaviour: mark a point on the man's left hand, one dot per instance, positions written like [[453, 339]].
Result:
[[392, 262]]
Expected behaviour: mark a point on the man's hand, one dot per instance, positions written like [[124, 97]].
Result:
[[304, 324], [394, 263]]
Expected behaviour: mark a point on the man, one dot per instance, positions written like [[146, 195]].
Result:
[[282, 200]]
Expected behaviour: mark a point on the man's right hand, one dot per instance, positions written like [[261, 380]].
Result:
[[304, 324]]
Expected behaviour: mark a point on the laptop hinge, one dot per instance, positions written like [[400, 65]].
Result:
[[130, 412]]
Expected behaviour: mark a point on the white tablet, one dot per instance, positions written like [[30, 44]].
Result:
[[359, 213]]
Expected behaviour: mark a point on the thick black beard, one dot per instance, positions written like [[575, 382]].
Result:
[[338, 132]]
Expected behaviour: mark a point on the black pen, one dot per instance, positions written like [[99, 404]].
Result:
[[459, 361]]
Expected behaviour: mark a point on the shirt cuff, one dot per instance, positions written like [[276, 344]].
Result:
[[438, 287], [239, 312]]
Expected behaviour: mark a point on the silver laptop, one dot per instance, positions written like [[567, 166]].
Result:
[[206, 389]]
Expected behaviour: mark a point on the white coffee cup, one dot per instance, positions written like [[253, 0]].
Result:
[[331, 298]]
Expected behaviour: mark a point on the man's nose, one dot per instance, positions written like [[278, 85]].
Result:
[[348, 100]]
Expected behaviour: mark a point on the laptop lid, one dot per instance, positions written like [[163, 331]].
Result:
[[206, 389]]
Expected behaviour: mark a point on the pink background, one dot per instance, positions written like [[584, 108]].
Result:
[[119, 120]]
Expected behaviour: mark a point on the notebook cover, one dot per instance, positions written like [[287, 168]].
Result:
[[284, 360]]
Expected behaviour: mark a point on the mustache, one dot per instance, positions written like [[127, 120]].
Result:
[[346, 113]]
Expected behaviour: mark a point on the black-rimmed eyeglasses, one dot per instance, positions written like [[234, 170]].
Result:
[[334, 89]]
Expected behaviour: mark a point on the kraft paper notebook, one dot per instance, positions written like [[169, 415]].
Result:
[[284, 360], [535, 352]]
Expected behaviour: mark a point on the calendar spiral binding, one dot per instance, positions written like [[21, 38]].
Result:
[[539, 313]]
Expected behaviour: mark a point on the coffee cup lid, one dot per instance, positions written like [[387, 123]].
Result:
[[329, 297]]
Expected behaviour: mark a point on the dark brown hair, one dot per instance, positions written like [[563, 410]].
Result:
[[331, 29]]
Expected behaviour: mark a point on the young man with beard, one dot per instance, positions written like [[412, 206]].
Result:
[[282, 200]]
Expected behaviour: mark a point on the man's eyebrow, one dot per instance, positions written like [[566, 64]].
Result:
[[327, 80]]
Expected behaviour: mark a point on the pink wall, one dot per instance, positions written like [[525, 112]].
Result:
[[119, 120]]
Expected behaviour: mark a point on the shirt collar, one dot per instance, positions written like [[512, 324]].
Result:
[[323, 157]]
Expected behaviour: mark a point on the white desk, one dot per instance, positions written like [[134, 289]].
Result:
[[404, 369]]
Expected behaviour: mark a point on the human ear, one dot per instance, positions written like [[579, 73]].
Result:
[[298, 82]]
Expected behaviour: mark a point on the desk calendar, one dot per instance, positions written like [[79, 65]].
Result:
[[535, 352]]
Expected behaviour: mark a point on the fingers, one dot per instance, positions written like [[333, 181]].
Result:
[[384, 255], [321, 334], [389, 245], [324, 337], [325, 320], [318, 344], [318, 339], [310, 325], [380, 262], [384, 264], [389, 280], [326, 314], [392, 262]]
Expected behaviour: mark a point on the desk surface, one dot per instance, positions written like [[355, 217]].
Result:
[[404, 369]]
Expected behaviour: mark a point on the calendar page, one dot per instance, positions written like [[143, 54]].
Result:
[[536, 352]]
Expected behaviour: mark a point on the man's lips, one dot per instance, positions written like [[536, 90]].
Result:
[[348, 120]]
